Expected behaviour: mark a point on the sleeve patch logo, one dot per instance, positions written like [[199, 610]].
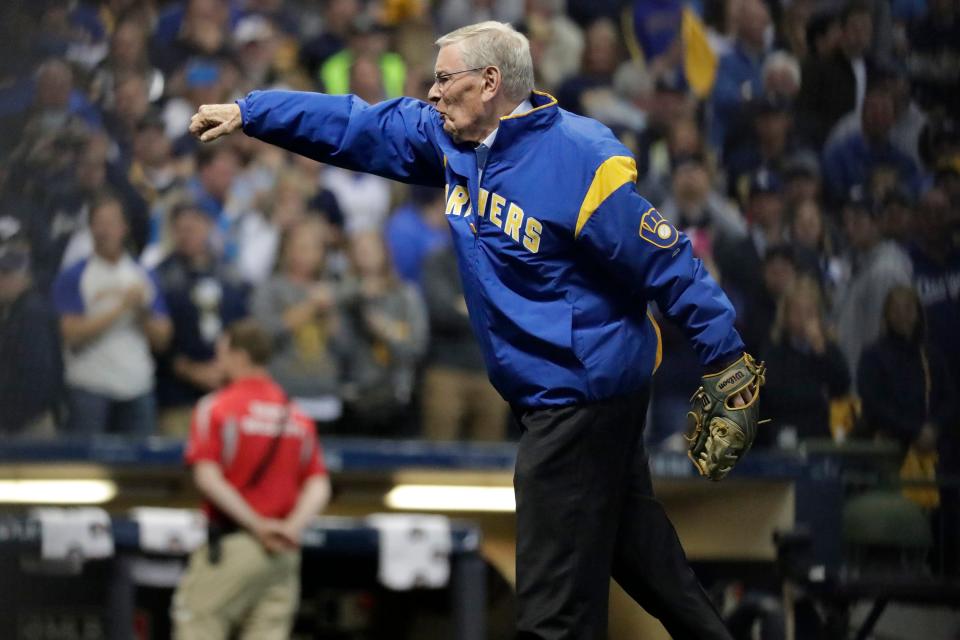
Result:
[[655, 229]]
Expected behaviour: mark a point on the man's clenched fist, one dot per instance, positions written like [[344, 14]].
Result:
[[214, 120]]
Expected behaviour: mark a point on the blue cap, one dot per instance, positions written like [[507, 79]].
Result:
[[202, 73]]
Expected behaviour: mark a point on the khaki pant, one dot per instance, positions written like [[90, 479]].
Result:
[[461, 404], [249, 591]]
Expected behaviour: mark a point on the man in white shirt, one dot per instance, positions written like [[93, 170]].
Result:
[[111, 316]]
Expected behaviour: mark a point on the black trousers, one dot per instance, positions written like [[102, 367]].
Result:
[[586, 512]]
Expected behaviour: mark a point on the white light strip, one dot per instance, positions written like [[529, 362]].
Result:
[[425, 497], [57, 491]]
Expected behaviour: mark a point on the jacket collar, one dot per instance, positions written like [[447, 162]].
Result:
[[514, 129]]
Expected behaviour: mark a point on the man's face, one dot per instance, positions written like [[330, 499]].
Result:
[[691, 182], [458, 98], [219, 174], [754, 20], [778, 275], [807, 224], [858, 33], [773, 129], [766, 208], [151, 147], [878, 116], [108, 226], [91, 168], [859, 227], [191, 234]]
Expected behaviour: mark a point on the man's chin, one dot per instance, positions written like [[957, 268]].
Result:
[[451, 131]]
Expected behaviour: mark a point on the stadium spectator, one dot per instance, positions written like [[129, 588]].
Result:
[[934, 50], [194, 28], [779, 273], [45, 105], [202, 297], [69, 31], [128, 56], [897, 218], [458, 400], [31, 369], [259, 231], [601, 56], [909, 119], [59, 230], [416, 230], [936, 275], [824, 36], [153, 172], [835, 81], [741, 260], [556, 42], [111, 316], [700, 211], [806, 368], [368, 40], [660, 144], [878, 265], [761, 143], [739, 75], [256, 460], [131, 103], [902, 378], [385, 335], [852, 160], [338, 15], [802, 180], [298, 307], [257, 45], [781, 77], [217, 168], [813, 249]]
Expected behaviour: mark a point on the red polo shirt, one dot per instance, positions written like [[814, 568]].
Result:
[[235, 426]]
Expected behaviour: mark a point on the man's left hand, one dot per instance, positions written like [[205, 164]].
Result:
[[724, 417]]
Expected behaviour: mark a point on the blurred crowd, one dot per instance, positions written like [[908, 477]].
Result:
[[809, 150]]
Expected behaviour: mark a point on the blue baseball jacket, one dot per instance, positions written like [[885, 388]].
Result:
[[558, 254]]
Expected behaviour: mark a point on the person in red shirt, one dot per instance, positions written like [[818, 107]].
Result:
[[257, 462]]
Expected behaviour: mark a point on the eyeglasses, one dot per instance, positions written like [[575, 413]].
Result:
[[443, 79]]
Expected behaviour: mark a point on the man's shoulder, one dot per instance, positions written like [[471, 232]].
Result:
[[592, 141], [74, 272]]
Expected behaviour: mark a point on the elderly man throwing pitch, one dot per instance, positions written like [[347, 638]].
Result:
[[559, 258]]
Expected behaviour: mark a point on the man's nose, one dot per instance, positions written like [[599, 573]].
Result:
[[434, 94]]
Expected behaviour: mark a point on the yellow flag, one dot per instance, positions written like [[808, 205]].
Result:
[[699, 60]]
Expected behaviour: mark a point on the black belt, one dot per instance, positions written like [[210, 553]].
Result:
[[215, 534]]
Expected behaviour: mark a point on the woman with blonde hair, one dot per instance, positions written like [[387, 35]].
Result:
[[385, 329], [904, 382], [298, 306], [806, 367]]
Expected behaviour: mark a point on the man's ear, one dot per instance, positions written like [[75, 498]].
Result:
[[491, 83]]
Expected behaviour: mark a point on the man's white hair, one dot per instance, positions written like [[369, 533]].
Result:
[[496, 44], [781, 61]]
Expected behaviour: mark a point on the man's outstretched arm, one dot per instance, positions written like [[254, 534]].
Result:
[[396, 139]]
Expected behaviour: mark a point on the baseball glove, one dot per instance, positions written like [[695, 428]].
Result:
[[720, 434]]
